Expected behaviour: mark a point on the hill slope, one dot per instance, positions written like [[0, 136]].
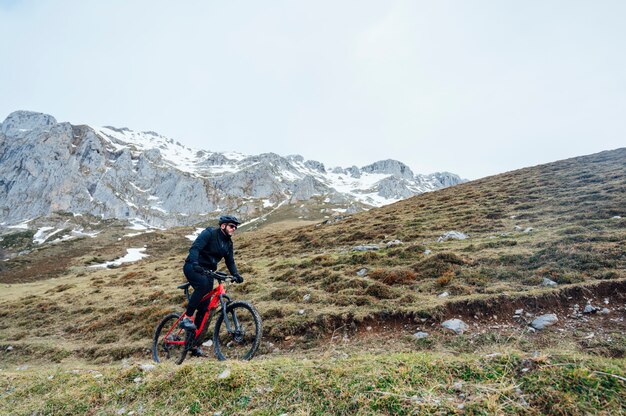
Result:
[[340, 308]]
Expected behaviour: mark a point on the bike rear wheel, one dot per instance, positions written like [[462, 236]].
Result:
[[166, 333], [245, 336]]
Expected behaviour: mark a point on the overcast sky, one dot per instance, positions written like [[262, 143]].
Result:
[[472, 87]]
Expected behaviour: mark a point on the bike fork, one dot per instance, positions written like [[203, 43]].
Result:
[[229, 328]]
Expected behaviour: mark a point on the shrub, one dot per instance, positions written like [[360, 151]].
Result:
[[379, 291], [393, 276], [445, 278], [437, 265]]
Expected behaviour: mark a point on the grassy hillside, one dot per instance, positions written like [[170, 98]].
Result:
[[339, 323]]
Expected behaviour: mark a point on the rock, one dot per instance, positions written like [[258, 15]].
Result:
[[590, 309], [420, 334], [208, 343], [443, 295], [367, 247], [394, 243], [528, 230], [147, 367], [519, 311], [548, 282], [10, 348], [456, 325], [452, 235], [315, 165], [544, 321], [605, 311], [617, 217], [306, 297], [118, 173], [390, 166], [517, 228], [362, 272], [22, 367], [121, 411], [224, 374], [301, 312], [427, 252], [138, 380], [369, 328]]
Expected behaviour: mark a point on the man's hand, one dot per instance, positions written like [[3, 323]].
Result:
[[238, 278]]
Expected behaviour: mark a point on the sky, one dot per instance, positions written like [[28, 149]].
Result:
[[471, 87]]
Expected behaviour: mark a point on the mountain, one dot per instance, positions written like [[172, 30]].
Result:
[[148, 179], [346, 331]]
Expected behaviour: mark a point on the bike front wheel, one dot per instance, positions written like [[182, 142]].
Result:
[[168, 343], [238, 334]]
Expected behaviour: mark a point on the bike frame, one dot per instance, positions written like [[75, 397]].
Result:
[[218, 294]]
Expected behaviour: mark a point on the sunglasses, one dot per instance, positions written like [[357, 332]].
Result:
[[233, 226]]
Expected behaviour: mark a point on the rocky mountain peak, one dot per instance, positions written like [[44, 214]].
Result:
[[144, 177], [389, 166], [19, 122]]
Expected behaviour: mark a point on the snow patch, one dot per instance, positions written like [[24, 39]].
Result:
[[195, 235], [21, 226], [133, 255], [40, 236]]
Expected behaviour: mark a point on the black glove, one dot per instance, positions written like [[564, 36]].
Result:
[[238, 278], [198, 269]]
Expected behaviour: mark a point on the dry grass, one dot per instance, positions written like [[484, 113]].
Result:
[[304, 280]]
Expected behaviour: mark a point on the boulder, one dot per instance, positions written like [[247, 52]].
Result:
[[590, 309], [367, 247], [420, 335], [456, 325], [452, 235], [543, 321], [394, 243], [548, 282]]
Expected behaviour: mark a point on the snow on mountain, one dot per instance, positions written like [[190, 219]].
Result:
[[154, 181]]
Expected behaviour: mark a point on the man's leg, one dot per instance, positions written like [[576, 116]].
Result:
[[201, 285]]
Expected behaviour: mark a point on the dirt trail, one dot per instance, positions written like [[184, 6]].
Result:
[[599, 332]]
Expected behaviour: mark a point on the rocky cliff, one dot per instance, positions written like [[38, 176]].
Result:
[[47, 167]]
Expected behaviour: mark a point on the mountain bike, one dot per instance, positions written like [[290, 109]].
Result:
[[237, 333]]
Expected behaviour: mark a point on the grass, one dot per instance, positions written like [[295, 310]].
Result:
[[57, 314], [394, 383]]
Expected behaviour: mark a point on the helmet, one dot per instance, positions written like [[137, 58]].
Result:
[[230, 219]]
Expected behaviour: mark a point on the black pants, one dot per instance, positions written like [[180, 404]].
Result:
[[201, 285]]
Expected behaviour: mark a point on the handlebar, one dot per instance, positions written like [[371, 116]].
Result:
[[221, 276]]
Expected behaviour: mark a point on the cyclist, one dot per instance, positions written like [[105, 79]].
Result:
[[211, 246]]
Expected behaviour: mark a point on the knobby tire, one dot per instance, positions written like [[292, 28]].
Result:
[[164, 352], [241, 346]]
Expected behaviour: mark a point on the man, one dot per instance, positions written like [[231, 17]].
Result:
[[211, 246]]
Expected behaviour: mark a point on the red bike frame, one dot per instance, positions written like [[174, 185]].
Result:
[[215, 302]]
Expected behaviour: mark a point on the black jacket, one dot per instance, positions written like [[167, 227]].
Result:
[[211, 246]]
